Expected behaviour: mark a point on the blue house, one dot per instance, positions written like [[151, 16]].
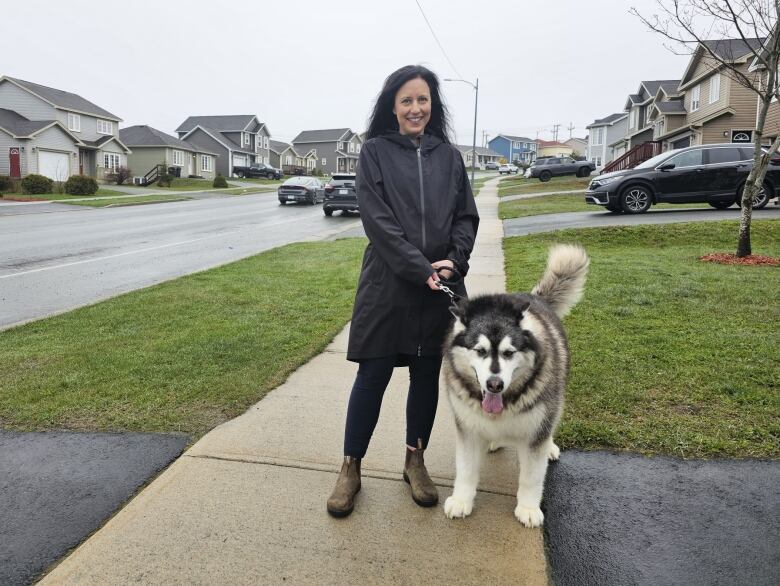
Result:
[[514, 148]]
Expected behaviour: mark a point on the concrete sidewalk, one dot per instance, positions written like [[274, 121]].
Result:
[[246, 504]]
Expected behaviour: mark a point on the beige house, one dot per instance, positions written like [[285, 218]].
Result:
[[551, 148]]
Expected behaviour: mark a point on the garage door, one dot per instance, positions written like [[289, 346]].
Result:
[[54, 165], [239, 160], [681, 144]]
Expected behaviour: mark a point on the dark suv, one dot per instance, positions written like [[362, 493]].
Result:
[[549, 167], [713, 174], [340, 194]]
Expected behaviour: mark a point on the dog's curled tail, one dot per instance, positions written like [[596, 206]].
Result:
[[564, 278]]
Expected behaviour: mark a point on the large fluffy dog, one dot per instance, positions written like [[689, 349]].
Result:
[[506, 362]]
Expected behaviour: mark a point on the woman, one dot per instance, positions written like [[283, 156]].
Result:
[[420, 217]]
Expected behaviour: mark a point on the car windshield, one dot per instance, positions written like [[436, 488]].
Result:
[[298, 181], [650, 163]]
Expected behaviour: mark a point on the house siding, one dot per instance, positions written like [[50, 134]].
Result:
[[14, 98], [326, 150], [6, 142], [222, 164], [772, 122], [705, 108], [143, 159], [54, 139]]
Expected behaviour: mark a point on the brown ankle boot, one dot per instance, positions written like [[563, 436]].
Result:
[[424, 492], [342, 500]]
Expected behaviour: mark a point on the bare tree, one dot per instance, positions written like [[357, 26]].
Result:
[[716, 28]]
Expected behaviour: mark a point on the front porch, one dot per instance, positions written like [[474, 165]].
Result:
[[346, 164]]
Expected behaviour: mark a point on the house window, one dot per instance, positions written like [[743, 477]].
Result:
[[598, 136], [111, 161], [288, 160], [633, 118], [206, 163], [74, 122], [659, 127], [105, 127], [340, 146], [351, 147], [265, 142], [178, 158], [695, 96], [245, 139], [357, 148], [647, 116], [324, 161], [715, 88]]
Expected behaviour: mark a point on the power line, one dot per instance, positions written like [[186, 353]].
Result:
[[435, 38]]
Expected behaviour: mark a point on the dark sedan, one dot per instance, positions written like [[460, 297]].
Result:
[[714, 174], [301, 190]]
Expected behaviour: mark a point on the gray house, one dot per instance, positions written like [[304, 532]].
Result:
[[603, 133], [151, 147], [484, 155], [239, 140], [56, 133], [336, 150]]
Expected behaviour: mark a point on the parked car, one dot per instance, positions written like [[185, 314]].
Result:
[[301, 189], [258, 170], [549, 167], [714, 174], [509, 169], [491, 166], [340, 194]]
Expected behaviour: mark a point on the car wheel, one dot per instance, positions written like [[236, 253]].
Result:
[[636, 199], [545, 176], [720, 205], [760, 199], [270, 176], [583, 172], [281, 202], [240, 174], [328, 212]]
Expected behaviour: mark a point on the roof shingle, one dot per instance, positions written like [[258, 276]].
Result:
[[65, 100]]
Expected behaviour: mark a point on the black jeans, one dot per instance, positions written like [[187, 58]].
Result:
[[366, 400]]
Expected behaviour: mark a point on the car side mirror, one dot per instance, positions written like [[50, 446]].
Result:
[[666, 167]]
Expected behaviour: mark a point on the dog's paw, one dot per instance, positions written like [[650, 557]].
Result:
[[554, 453], [530, 517], [454, 507]]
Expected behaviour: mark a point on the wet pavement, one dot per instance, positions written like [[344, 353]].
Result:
[[57, 488], [627, 519]]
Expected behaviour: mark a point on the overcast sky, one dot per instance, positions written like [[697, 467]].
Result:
[[311, 64]]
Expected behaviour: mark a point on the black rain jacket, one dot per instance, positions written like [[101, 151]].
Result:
[[417, 208]]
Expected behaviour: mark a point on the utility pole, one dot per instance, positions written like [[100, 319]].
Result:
[[555, 132], [570, 127]]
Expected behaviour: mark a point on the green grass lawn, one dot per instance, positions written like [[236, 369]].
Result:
[[670, 355], [554, 204], [262, 181], [186, 184], [520, 185], [184, 355], [129, 201], [56, 196]]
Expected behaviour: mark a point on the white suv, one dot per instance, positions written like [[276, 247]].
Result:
[[508, 169]]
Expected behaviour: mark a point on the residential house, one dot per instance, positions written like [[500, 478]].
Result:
[[152, 147], [484, 155], [717, 108], [603, 132], [553, 148], [291, 162], [239, 140], [56, 133], [515, 149], [336, 150], [579, 146], [638, 106]]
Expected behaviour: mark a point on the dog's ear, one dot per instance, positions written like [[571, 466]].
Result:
[[458, 309], [520, 308]]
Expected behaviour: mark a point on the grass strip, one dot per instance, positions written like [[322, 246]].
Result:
[[128, 201], [555, 204], [56, 196], [520, 185], [670, 355], [182, 356]]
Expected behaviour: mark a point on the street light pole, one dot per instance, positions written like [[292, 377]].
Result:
[[474, 139]]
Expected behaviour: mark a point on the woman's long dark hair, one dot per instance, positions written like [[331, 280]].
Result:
[[382, 118]]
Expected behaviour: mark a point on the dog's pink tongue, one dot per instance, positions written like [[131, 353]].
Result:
[[492, 403]]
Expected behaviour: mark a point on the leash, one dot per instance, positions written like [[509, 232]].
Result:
[[444, 284]]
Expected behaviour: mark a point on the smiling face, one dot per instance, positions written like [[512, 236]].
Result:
[[412, 107]]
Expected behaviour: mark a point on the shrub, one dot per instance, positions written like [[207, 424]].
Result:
[[5, 183], [36, 184], [121, 175], [165, 180], [81, 185], [219, 181]]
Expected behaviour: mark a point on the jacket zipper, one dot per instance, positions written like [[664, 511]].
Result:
[[422, 225], [422, 197]]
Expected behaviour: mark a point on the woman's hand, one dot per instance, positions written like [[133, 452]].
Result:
[[443, 264], [431, 282]]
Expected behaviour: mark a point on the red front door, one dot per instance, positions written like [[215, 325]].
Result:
[[16, 164]]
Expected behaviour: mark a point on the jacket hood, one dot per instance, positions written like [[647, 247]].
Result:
[[428, 142]]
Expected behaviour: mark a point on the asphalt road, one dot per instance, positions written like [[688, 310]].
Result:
[[55, 257], [599, 218]]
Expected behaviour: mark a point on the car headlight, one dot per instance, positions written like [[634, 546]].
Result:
[[606, 181]]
